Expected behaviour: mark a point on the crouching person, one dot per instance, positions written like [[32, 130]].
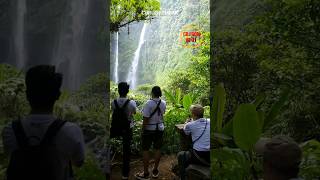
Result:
[[199, 129]]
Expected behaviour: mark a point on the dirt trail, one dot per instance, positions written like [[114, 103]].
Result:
[[136, 165]]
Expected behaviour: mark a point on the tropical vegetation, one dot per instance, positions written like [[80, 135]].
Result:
[[269, 70]]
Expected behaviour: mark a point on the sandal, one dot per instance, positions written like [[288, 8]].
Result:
[[142, 176], [155, 173]]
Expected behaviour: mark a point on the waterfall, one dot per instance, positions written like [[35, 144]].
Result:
[[79, 12], [132, 76], [70, 47], [117, 59], [19, 33]]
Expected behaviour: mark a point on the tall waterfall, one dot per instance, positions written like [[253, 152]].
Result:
[[132, 76], [19, 43], [115, 72], [70, 47]]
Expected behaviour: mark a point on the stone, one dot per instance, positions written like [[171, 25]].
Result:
[[198, 172]]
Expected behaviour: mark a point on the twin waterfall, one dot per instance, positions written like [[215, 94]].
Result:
[[132, 75]]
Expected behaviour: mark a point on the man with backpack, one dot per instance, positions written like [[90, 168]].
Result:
[[153, 128], [199, 130], [122, 124], [40, 145]]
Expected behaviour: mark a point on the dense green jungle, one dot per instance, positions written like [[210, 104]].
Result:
[[265, 81]]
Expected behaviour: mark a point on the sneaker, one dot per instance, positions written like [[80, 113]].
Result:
[[142, 176], [125, 177], [155, 173]]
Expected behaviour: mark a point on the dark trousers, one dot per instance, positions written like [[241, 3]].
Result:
[[185, 158], [126, 149]]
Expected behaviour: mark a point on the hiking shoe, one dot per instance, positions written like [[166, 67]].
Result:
[[142, 176], [155, 173]]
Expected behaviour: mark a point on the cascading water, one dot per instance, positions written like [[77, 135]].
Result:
[[70, 44], [19, 33], [117, 59], [132, 76]]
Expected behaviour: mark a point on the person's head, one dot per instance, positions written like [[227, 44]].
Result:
[[156, 92], [196, 111], [281, 157], [43, 87], [123, 89]]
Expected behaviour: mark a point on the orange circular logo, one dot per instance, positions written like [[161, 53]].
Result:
[[190, 36]]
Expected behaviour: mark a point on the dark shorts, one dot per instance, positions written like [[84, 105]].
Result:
[[192, 157], [152, 137]]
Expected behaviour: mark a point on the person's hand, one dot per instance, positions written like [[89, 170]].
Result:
[[188, 120]]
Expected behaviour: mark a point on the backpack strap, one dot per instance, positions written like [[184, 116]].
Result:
[[155, 110], [124, 105], [116, 104], [22, 138], [20, 134], [201, 133], [52, 131]]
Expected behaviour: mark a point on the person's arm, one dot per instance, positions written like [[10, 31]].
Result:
[[112, 105], [165, 107], [146, 112], [187, 130], [78, 155], [186, 133], [134, 107], [8, 139]]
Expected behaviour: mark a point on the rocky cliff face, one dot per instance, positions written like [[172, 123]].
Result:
[[64, 33]]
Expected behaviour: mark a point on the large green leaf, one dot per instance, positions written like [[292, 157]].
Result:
[[229, 160], [309, 167], [276, 109], [228, 128], [246, 126], [187, 101], [169, 96], [218, 107]]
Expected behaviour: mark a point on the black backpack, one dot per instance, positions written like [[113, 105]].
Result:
[[35, 162], [120, 124]]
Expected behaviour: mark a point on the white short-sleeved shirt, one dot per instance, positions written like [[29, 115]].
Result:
[[69, 140], [195, 128], [157, 118], [130, 109]]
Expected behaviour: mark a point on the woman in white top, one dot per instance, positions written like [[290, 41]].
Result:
[[153, 128]]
